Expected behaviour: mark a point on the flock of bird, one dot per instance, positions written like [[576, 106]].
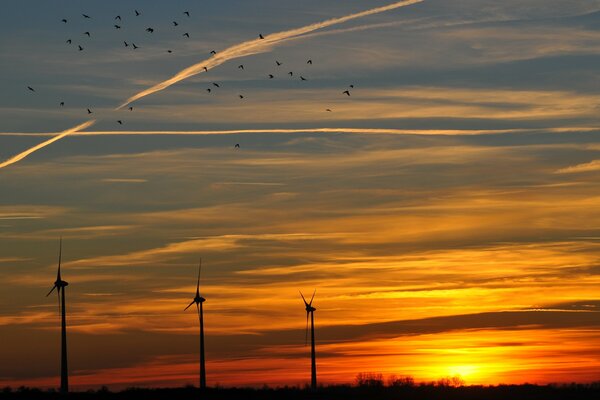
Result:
[[150, 30]]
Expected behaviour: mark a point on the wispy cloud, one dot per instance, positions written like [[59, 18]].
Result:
[[585, 167]]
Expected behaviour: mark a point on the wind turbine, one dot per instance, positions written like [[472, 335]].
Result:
[[198, 300], [310, 310], [60, 285]]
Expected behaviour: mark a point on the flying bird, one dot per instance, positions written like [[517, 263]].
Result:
[[89, 111], [117, 27], [309, 62], [241, 97], [80, 48], [346, 92], [137, 13], [205, 69], [328, 110], [271, 76], [261, 36], [30, 88], [126, 44], [302, 78], [118, 17], [278, 63], [216, 84], [213, 52], [290, 73], [120, 122], [175, 23], [187, 13], [186, 34], [150, 30], [169, 51], [87, 33], [208, 90], [352, 86], [64, 20], [130, 108], [62, 103], [86, 16], [134, 46], [241, 66], [69, 41], [237, 146]]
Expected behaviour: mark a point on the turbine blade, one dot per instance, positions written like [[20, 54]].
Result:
[[199, 271], [51, 290], [303, 297], [59, 259], [312, 298], [58, 298], [189, 305], [306, 331]]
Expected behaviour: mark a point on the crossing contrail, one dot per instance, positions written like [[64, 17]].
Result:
[[35, 148], [240, 50], [258, 46]]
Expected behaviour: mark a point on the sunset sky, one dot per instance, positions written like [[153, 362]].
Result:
[[447, 212]]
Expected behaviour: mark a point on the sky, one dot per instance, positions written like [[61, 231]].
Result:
[[445, 211]]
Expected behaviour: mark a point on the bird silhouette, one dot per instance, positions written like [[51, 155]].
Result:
[[120, 122], [208, 90], [278, 63], [118, 17], [130, 108], [302, 78], [30, 88], [328, 110], [86, 16], [175, 23], [237, 146], [271, 76], [241, 97], [352, 86], [169, 51], [64, 20], [150, 30], [134, 46], [241, 66], [261, 36], [125, 43], [69, 41], [346, 92], [187, 13], [80, 48], [87, 33], [89, 111], [137, 13], [205, 69], [117, 27], [309, 62], [216, 84], [290, 73], [213, 52], [186, 35], [62, 103]]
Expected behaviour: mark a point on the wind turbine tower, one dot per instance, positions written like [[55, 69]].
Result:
[[60, 286], [310, 311], [198, 300]]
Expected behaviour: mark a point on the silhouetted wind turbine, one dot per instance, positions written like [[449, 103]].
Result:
[[310, 310], [60, 285], [198, 300]]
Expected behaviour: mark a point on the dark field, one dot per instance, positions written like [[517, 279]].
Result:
[[345, 392]]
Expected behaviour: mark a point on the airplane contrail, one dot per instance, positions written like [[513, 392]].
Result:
[[35, 148], [258, 46]]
